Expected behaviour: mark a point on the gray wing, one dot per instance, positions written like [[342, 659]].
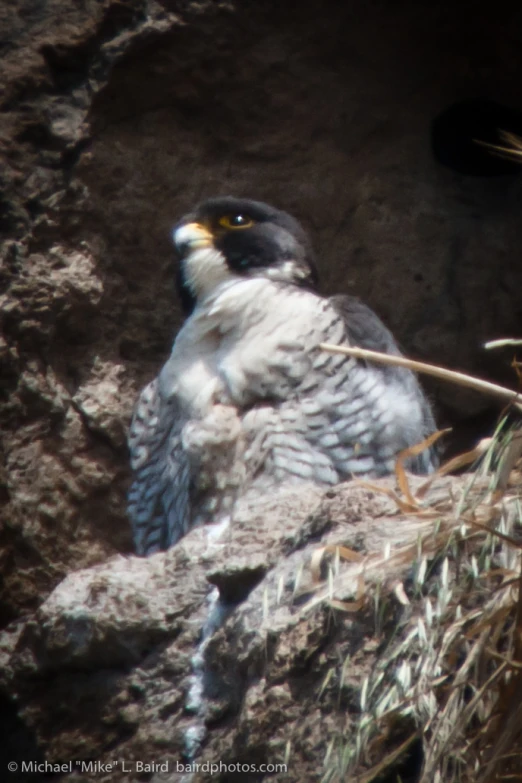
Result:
[[348, 417], [366, 330], [159, 495]]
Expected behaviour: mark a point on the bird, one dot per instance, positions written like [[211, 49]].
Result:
[[247, 399]]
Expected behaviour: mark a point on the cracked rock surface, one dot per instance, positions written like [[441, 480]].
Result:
[[104, 668]]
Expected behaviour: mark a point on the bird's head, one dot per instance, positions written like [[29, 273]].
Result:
[[227, 239]]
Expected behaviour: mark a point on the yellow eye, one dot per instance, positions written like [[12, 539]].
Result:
[[235, 221]]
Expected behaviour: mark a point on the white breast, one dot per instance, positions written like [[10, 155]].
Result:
[[236, 341]]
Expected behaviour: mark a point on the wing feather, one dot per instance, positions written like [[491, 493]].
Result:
[[159, 495], [366, 330]]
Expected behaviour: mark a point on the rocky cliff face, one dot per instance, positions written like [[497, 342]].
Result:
[[117, 117], [231, 652]]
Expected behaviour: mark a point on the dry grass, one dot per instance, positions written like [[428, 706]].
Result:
[[510, 149], [435, 370], [451, 674]]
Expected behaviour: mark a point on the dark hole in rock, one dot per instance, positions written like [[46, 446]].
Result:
[[235, 585]]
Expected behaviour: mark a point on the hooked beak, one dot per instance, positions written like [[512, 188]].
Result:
[[191, 236]]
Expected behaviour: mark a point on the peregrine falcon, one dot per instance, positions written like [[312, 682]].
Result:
[[247, 398]]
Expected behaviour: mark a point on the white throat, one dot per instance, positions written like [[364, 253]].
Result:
[[205, 270]]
